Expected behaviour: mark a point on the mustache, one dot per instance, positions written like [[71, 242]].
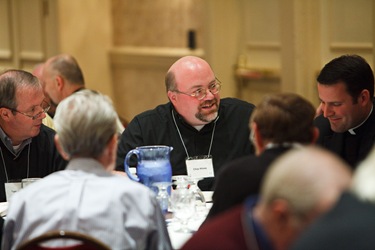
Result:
[[206, 103]]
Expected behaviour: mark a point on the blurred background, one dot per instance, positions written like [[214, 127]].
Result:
[[125, 47]]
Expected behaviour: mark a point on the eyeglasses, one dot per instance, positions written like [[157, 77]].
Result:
[[44, 105], [201, 93]]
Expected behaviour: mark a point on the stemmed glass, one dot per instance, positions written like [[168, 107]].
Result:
[[200, 201], [162, 195], [199, 197], [183, 204]]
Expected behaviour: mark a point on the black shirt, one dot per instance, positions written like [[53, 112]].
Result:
[[156, 127]]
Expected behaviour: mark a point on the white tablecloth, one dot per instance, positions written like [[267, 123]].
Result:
[[178, 239]]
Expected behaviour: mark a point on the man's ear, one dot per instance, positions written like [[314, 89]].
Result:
[[281, 213], [5, 113], [364, 97], [257, 139], [315, 135], [112, 144], [60, 149], [60, 82], [172, 96]]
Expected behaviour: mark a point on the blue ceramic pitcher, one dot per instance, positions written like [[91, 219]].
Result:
[[153, 165]]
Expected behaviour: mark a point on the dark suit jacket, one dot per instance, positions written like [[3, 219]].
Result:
[[349, 225], [335, 141], [241, 178]]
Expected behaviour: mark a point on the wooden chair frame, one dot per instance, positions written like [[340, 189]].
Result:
[[86, 242]]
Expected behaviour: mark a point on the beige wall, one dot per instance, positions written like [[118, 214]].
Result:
[[125, 46], [85, 29]]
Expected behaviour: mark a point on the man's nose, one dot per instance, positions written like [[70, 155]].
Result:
[[327, 110]]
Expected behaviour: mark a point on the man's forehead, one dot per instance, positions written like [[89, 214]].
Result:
[[29, 95], [197, 79]]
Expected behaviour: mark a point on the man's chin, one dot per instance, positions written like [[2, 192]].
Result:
[[207, 118]]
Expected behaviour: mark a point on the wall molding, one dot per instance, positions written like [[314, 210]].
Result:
[[149, 56], [351, 46]]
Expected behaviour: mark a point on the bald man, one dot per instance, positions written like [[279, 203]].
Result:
[[202, 128]]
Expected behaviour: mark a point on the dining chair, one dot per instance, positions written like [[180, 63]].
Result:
[[84, 241]]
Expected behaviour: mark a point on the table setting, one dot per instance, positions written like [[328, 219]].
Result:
[[184, 205]]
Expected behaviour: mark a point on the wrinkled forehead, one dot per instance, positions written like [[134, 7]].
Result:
[[29, 95], [194, 77]]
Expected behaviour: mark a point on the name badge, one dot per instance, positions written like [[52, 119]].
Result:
[[200, 166]]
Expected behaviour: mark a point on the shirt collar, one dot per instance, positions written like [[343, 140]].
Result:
[[8, 143], [351, 130], [198, 128], [87, 164], [261, 238]]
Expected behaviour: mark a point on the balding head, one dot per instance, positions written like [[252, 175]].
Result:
[[299, 186], [62, 76], [188, 69], [187, 77]]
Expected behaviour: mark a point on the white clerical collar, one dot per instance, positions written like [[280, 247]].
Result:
[[198, 127], [284, 144], [351, 131]]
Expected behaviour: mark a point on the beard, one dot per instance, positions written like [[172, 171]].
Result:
[[209, 116]]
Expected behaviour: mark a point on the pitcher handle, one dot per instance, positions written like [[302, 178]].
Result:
[[126, 164]]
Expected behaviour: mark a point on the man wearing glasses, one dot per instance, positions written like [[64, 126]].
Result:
[[204, 130], [27, 148]]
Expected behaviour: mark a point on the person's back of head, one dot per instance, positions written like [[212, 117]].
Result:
[[85, 123], [68, 67], [299, 186], [352, 70], [283, 118]]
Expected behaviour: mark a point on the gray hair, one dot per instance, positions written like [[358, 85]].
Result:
[[13, 80], [364, 179], [305, 177], [85, 122], [67, 66]]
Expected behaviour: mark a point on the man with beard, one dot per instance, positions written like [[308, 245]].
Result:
[[195, 122], [347, 123]]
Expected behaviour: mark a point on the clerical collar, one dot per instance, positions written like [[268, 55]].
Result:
[[284, 145], [351, 131], [198, 127]]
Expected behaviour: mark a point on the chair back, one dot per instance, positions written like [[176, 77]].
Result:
[[84, 242]]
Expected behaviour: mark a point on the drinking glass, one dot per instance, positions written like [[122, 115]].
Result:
[[162, 195], [183, 205], [200, 201]]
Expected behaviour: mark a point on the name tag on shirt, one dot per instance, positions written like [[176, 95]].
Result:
[[200, 166]]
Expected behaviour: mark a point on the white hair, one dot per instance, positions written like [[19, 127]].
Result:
[[364, 179], [85, 122], [305, 177]]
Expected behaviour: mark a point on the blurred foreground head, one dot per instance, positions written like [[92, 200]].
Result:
[[364, 179], [298, 187], [280, 119], [86, 125]]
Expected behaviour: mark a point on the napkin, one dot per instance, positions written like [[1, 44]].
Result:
[[3, 208]]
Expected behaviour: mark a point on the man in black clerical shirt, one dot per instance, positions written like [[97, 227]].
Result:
[[347, 120], [196, 122]]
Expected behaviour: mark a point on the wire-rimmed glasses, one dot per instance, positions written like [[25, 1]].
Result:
[[44, 105], [201, 93]]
